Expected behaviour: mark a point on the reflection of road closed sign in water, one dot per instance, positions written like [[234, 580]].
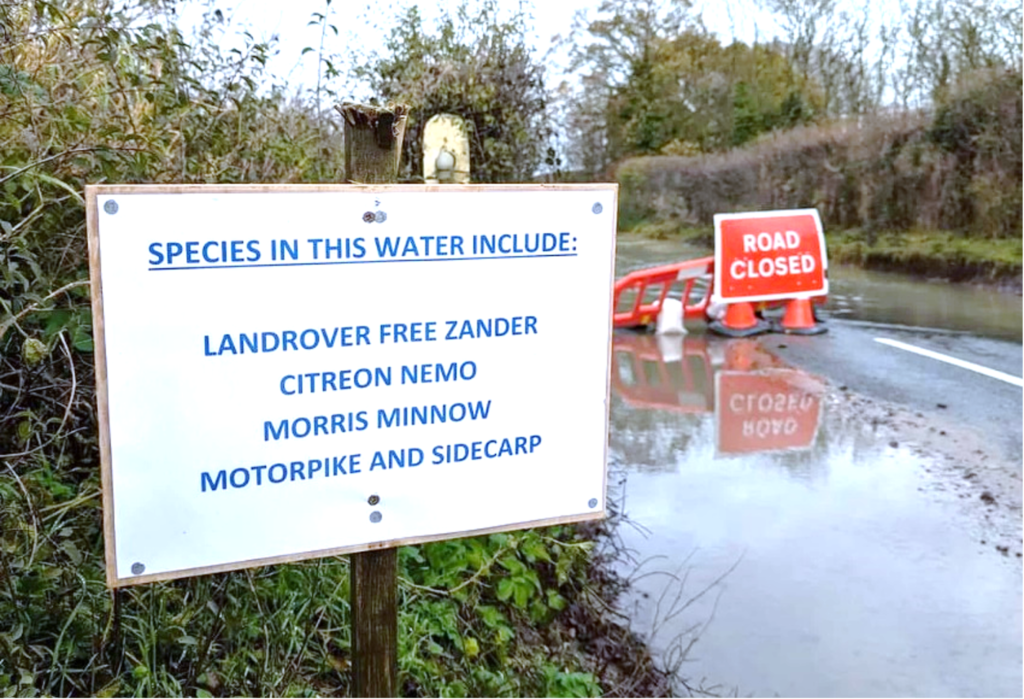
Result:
[[774, 410], [769, 255]]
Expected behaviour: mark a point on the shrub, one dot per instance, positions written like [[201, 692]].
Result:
[[958, 170]]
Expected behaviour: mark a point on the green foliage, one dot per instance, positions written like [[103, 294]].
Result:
[[980, 130], [930, 253], [960, 171], [477, 65], [273, 631], [97, 91], [658, 82], [655, 81], [570, 684], [467, 603], [93, 92], [948, 41]]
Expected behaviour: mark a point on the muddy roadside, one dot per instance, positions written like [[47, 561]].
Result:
[[960, 459]]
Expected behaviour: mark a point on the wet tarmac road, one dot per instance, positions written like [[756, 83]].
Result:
[[850, 356]]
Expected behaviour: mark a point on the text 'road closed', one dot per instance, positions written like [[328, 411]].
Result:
[[769, 255]]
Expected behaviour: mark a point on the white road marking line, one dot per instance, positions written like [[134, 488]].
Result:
[[1008, 378]]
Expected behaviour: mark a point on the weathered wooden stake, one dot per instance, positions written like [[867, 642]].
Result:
[[373, 150], [373, 142], [374, 598]]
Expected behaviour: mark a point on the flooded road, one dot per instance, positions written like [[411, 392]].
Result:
[[792, 537], [872, 297]]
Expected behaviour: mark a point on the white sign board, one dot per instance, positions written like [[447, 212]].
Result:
[[288, 372]]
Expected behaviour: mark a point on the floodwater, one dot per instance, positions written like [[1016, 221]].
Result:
[[875, 297], [779, 546]]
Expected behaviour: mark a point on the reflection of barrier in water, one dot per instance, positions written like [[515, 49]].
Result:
[[761, 403], [749, 355], [666, 373]]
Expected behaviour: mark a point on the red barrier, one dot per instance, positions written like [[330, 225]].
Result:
[[693, 277]]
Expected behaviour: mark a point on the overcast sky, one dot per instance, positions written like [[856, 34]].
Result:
[[355, 19]]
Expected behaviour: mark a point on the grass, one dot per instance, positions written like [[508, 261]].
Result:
[[930, 253]]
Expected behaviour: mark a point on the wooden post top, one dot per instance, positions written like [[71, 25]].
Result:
[[373, 141]]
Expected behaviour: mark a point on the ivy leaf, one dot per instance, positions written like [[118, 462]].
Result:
[[506, 587]]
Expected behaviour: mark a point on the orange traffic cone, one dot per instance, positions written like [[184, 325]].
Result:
[[739, 321], [799, 319], [739, 316]]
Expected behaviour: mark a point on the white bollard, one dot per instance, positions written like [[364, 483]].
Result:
[[670, 318], [716, 310]]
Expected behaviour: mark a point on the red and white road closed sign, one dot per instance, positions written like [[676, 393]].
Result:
[[766, 255]]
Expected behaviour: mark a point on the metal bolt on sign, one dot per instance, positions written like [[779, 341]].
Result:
[[110, 206]]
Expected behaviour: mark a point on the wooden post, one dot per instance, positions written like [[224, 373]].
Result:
[[373, 150], [374, 583], [373, 142]]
